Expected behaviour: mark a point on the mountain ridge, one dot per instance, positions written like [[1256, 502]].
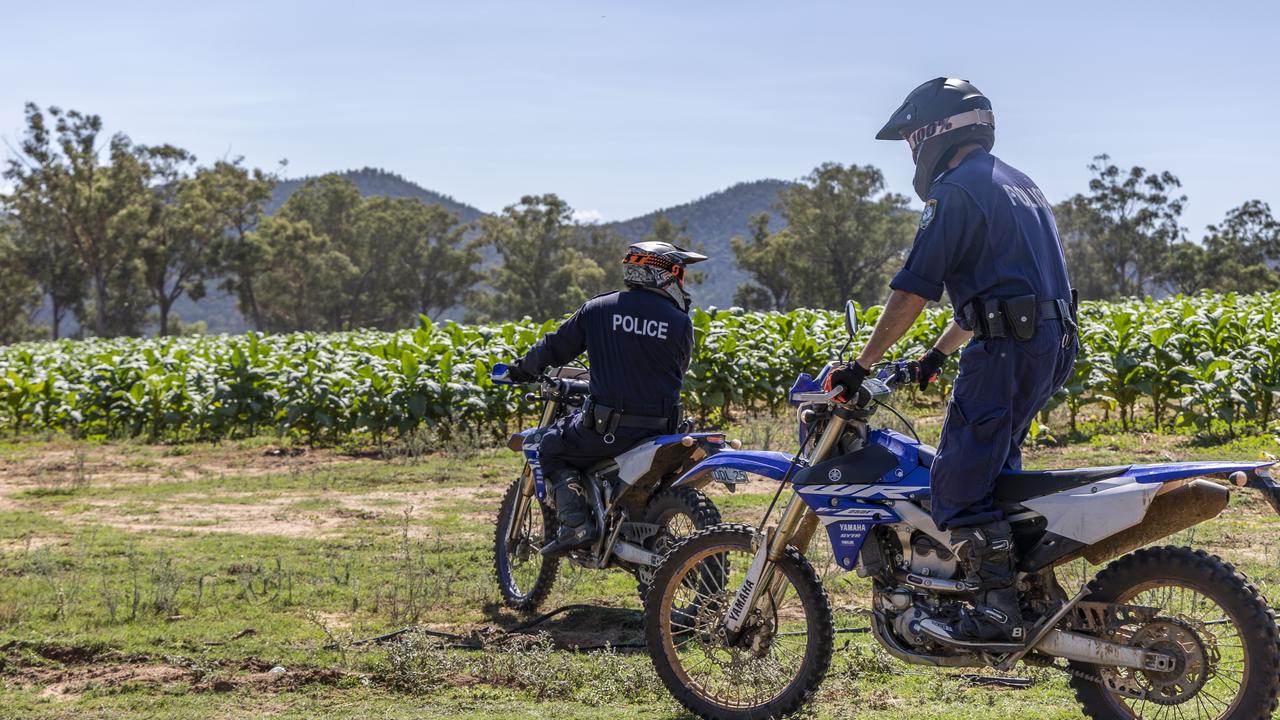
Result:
[[713, 219]]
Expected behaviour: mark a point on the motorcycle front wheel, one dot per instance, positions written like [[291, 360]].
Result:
[[524, 576], [768, 669]]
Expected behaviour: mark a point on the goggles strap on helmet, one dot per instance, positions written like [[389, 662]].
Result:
[[931, 130]]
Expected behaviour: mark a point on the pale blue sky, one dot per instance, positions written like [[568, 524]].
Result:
[[622, 108]]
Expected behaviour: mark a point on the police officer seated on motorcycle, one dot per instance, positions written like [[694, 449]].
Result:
[[639, 342], [987, 236]]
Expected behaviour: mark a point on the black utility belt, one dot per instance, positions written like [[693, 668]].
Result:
[[1016, 317], [607, 421]]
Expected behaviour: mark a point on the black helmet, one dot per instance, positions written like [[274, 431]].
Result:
[[935, 119], [659, 266]]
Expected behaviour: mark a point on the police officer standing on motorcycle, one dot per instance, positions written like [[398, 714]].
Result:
[[988, 238], [639, 343]]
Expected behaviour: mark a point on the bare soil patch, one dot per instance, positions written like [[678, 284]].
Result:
[[32, 541], [109, 465], [70, 683], [270, 516], [65, 672], [279, 515]]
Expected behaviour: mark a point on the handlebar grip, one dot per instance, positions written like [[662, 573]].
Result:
[[501, 374]]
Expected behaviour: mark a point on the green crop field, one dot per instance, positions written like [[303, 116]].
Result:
[[1205, 364]]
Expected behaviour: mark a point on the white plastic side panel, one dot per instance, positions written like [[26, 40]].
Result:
[[1092, 512], [636, 462]]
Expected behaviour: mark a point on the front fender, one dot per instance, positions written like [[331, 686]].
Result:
[[773, 465], [516, 441]]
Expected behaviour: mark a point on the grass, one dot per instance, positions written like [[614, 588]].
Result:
[[142, 581]]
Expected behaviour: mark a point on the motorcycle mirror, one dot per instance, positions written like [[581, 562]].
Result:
[[850, 318]]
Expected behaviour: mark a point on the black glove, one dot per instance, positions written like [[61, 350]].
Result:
[[850, 375], [928, 367], [519, 375]]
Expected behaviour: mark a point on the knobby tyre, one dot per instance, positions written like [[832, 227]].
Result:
[[1220, 617], [524, 576], [777, 662], [679, 512]]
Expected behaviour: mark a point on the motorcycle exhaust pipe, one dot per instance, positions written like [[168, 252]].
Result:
[[1170, 512]]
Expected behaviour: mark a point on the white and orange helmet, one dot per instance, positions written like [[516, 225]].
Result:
[[659, 266]]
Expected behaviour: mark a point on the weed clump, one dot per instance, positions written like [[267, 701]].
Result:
[[422, 665]]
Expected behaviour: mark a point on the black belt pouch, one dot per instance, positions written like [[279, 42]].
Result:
[[993, 319], [1020, 317], [603, 419]]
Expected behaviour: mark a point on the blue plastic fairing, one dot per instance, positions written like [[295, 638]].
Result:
[[1164, 472], [770, 464]]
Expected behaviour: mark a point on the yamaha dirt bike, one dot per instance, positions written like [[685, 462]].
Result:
[[739, 626], [638, 513]]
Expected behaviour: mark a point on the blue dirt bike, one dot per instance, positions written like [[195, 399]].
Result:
[[739, 625], [639, 512]]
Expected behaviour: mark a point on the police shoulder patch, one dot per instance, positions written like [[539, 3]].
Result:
[[930, 209]]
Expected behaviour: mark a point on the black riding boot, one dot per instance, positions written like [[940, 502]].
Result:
[[985, 553], [577, 529]]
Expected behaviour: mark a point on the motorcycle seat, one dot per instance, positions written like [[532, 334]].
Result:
[[644, 456], [1014, 486]]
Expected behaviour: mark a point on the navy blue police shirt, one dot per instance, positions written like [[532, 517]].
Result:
[[638, 343], [986, 232]]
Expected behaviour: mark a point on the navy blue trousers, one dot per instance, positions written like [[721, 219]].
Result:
[[1001, 386], [571, 443]]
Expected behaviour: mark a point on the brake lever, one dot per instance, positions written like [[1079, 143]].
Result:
[[820, 397]]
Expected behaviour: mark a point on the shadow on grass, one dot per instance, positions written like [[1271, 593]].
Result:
[[589, 626]]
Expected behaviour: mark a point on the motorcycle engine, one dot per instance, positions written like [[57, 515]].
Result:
[[904, 612], [925, 556]]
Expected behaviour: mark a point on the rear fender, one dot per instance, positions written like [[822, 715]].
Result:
[[1164, 472], [1098, 510], [1260, 476], [731, 467], [1263, 479]]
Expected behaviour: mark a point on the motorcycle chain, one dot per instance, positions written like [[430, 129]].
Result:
[[1089, 677]]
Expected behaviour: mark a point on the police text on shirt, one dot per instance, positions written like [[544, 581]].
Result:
[[1030, 197], [640, 326]]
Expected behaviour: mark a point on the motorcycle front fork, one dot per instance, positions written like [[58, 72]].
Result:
[[521, 509], [527, 489], [795, 528]]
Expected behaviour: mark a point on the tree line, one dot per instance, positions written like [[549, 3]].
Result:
[[113, 234], [845, 236]]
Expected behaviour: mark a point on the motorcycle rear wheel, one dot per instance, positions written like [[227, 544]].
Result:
[[1212, 620], [679, 512]]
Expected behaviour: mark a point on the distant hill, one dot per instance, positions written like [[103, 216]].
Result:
[[372, 181], [713, 220]]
